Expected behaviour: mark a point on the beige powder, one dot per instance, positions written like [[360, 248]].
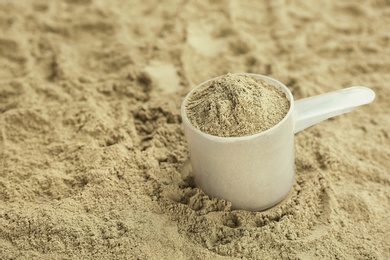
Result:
[[92, 148], [236, 105]]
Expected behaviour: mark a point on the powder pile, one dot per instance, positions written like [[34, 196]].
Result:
[[93, 157], [236, 105]]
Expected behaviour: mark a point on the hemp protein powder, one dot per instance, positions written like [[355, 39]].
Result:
[[236, 105]]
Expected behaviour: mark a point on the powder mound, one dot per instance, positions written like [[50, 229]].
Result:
[[236, 105]]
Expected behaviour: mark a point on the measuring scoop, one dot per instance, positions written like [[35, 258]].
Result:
[[255, 172]]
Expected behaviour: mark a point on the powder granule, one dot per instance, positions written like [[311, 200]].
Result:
[[236, 105]]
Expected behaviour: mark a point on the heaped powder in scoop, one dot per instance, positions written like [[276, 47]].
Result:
[[236, 105]]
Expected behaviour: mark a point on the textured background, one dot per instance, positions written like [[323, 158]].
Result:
[[93, 161]]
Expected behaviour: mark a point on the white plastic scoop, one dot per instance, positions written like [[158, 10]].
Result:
[[256, 172], [312, 110]]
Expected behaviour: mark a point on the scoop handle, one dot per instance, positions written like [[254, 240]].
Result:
[[312, 110]]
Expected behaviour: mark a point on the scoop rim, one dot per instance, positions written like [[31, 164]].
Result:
[[277, 84]]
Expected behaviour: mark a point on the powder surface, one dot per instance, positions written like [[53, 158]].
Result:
[[93, 156], [236, 105]]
